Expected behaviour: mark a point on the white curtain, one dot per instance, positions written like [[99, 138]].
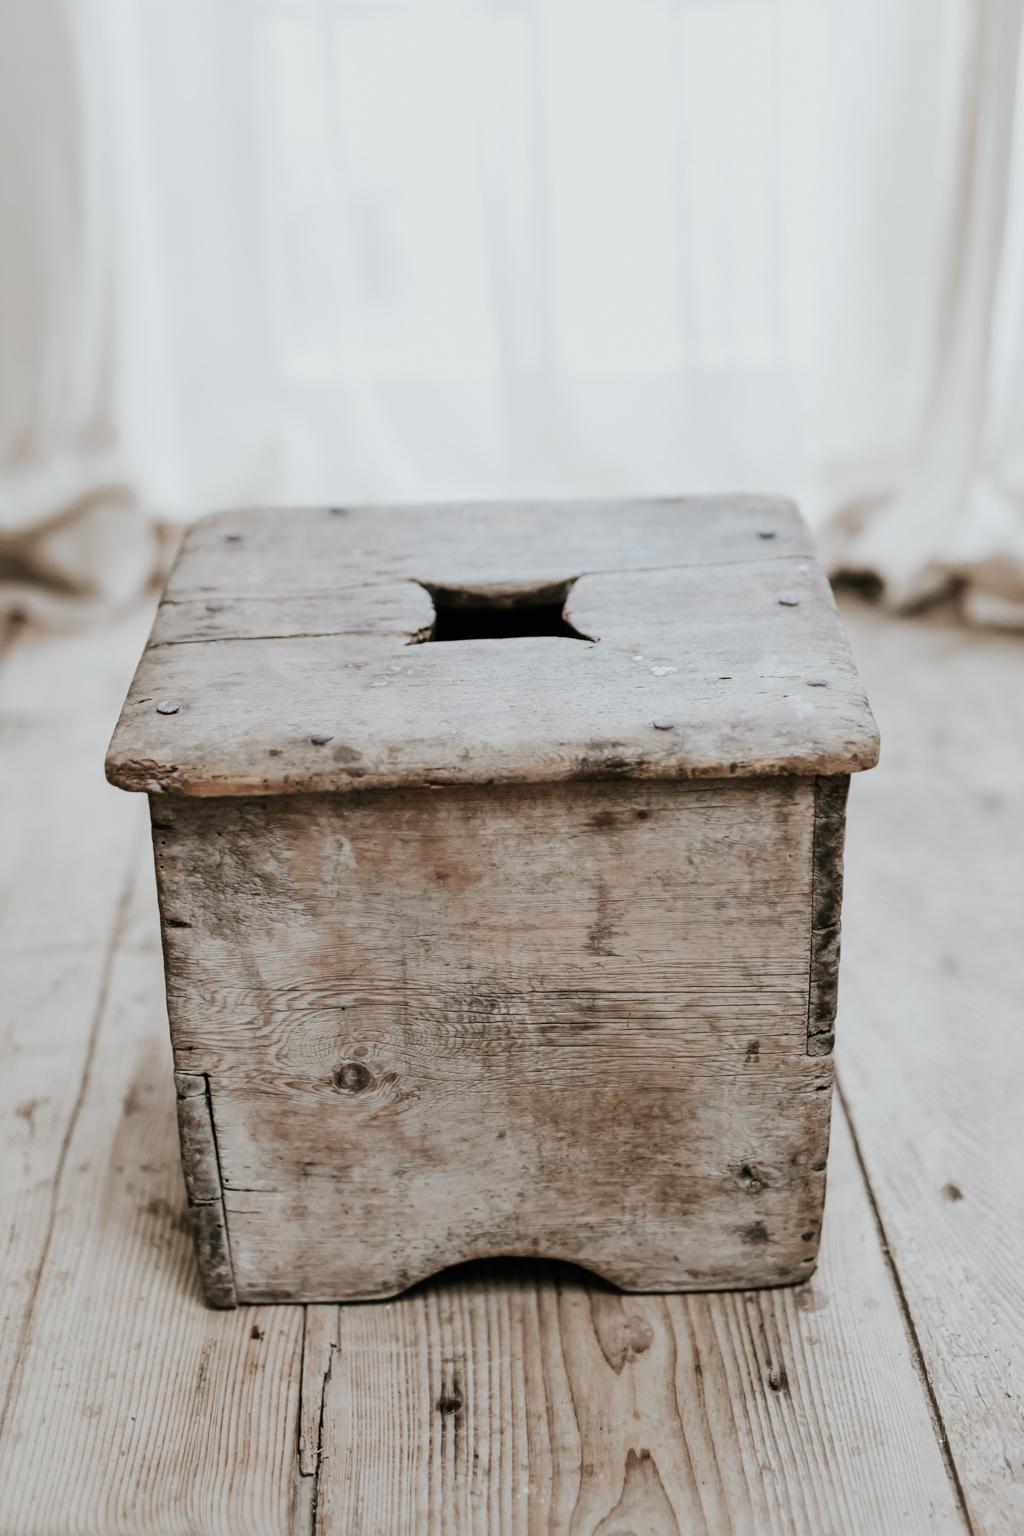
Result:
[[303, 250]]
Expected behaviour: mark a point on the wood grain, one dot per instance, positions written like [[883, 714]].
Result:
[[201, 1168], [568, 1024], [400, 609], [65, 844], [134, 1407], [932, 1052], [142, 1413], [476, 546], [123, 1405], [709, 618], [523, 1400]]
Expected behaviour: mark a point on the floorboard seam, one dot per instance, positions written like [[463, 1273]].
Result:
[[917, 1352], [310, 1528], [309, 1513], [99, 1009]]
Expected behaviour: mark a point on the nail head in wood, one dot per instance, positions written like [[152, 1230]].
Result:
[[321, 738], [168, 707]]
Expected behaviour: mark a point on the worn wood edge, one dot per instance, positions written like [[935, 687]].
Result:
[[830, 794], [602, 1274], [144, 776], [201, 1169]]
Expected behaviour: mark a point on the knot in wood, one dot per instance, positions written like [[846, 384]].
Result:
[[351, 1077]]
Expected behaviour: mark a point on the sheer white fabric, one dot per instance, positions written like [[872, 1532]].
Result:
[[303, 250]]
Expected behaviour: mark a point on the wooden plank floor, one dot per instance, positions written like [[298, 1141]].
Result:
[[882, 1397]]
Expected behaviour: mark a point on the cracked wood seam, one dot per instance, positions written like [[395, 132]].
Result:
[[320, 1339]]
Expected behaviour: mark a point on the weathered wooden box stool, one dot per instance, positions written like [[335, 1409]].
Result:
[[499, 856]]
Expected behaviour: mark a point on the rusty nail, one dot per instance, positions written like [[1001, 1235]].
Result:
[[664, 725], [321, 738], [168, 707], [789, 602]]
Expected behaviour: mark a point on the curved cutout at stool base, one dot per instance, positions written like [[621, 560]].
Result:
[[625, 1283]]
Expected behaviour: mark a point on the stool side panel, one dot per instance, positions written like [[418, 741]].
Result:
[[567, 1021]]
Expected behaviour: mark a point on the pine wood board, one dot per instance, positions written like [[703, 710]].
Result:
[[494, 1403], [931, 1051], [62, 829], [522, 1400], [933, 1094], [475, 546], [43, 1069], [710, 647], [134, 1409], [569, 1024], [65, 848], [106, 1351]]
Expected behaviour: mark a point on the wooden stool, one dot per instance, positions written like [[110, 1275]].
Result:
[[499, 854]]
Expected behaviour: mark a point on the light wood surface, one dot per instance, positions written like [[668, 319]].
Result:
[[883, 1398], [579, 1006], [521, 1401], [931, 1036], [712, 649], [125, 1404], [567, 1023]]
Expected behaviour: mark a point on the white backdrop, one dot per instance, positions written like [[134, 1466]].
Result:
[[303, 250]]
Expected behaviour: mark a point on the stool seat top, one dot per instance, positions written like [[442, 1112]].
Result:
[[342, 649]]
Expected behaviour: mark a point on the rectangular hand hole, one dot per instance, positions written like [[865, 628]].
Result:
[[479, 615]]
